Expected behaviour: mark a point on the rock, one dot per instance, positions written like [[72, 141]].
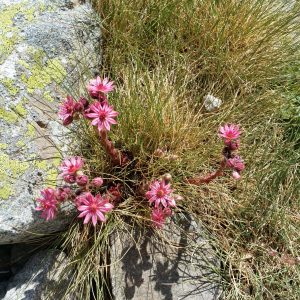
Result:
[[3, 287], [44, 276], [44, 46], [21, 253], [211, 102], [146, 269]]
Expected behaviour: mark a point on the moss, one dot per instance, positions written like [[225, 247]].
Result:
[[10, 86], [8, 116], [10, 169]]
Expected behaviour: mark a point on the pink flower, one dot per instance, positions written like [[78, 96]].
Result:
[[82, 180], [66, 110], [47, 204], [98, 86], [97, 182], [229, 132], [236, 163], [93, 208], [158, 217], [71, 165], [102, 115], [160, 193]]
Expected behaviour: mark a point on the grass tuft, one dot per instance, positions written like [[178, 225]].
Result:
[[165, 56]]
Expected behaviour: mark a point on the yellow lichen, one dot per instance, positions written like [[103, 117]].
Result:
[[8, 33], [8, 116], [20, 144], [20, 109], [10, 86], [47, 96], [3, 146], [30, 131], [52, 177], [5, 192], [42, 165], [10, 170], [43, 74], [29, 14]]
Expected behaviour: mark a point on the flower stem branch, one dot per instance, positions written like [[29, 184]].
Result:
[[117, 157], [207, 179]]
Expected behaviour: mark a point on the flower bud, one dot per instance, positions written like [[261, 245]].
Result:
[[69, 178], [158, 152], [102, 98], [97, 182], [232, 145], [82, 180], [178, 197], [173, 157], [167, 177], [67, 121], [167, 212], [84, 102], [78, 107], [63, 194], [236, 175], [94, 94]]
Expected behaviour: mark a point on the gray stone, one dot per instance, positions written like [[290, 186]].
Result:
[[44, 46], [179, 265], [44, 276], [211, 102]]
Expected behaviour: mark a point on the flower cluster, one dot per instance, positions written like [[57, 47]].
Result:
[[162, 201], [100, 113], [90, 207], [230, 134]]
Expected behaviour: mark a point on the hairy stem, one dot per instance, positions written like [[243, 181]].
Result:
[[117, 157], [207, 179]]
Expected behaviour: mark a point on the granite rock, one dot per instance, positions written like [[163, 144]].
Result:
[[143, 267], [44, 276], [44, 46]]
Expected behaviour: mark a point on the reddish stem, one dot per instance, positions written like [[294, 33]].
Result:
[[207, 179], [117, 157]]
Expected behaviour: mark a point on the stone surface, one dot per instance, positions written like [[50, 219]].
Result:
[[44, 276], [44, 46], [146, 269], [211, 102]]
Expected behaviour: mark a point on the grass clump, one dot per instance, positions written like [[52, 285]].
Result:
[[165, 56]]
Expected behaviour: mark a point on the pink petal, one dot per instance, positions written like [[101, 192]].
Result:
[[101, 216], [87, 218], [94, 220]]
